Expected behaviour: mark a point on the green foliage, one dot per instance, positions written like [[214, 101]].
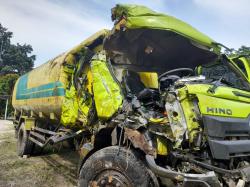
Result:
[[6, 87], [15, 60], [7, 83], [243, 50]]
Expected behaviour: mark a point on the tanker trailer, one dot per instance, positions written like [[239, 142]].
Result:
[[54, 102]]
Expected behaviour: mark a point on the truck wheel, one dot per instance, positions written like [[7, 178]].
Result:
[[116, 167], [24, 145]]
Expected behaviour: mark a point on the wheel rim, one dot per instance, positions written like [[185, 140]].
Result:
[[111, 178]]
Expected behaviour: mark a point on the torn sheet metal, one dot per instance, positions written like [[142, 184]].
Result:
[[139, 141], [134, 17], [107, 93], [75, 108]]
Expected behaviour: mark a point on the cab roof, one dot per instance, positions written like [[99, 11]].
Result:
[[144, 40], [137, 16]]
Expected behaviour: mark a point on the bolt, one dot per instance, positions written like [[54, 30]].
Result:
[[102, 181], [110, 178], [117, 184]]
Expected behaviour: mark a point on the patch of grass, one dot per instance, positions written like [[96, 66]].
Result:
[[39, 171]]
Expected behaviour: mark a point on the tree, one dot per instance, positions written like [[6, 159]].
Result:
[[5, 36], [243, 50], [15, 60], [7, 83]]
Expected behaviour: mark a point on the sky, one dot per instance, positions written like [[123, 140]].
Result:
[[54, 26]]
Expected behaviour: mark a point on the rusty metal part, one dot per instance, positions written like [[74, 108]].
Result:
[[85, 149], [93, 184], [208, 179], [110, 178], [139, 140]]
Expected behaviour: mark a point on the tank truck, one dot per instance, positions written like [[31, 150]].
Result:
[[151, 102]]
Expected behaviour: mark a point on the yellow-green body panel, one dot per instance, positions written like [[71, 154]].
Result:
[[162, 148], [106, 90], [186, 101], [224, 102], [196, 100], [149, 79], [29, 123], [136, 16], [74, 108], [245, 64]]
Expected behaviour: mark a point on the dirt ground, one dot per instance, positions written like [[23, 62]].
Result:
[[54, 167]]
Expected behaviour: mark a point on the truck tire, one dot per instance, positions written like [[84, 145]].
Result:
[[24, 145], [118, 167]]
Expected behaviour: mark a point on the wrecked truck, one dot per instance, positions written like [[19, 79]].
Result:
[[152, 102]]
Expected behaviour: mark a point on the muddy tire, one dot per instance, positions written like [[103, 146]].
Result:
[[24, 145], [116, 167]]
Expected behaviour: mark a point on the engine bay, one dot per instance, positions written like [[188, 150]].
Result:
[[184, 135]]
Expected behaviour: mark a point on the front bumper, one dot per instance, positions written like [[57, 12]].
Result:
[[208, 179]]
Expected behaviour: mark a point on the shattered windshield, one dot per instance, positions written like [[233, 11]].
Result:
[[226, 72]]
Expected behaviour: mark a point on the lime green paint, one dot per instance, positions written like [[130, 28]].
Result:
[[187, 105], [143, 17], [245, 62], [223, 98], [162, 148], [75, 108], [222, 103], [29, 123], [107, 93], [76, 104]]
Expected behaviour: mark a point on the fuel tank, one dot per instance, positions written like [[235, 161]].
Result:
[[42, 89]]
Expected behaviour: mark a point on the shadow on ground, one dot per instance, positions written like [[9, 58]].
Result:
[[52, 167], [64, 163]]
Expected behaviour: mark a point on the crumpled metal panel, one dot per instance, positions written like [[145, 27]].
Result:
[[75, 108], [107, 93], [139, 141], [135, 16]]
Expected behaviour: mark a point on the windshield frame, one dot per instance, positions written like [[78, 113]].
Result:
[[238, 72]]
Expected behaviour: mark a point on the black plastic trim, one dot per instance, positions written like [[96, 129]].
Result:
[[221, 127], [227, 137], [222, 149]]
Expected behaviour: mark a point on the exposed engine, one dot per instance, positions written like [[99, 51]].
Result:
[[190, 135]]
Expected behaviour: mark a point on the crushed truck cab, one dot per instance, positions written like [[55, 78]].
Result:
[[151, 102]]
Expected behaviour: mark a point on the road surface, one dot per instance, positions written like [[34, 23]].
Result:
[[56, 167]]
